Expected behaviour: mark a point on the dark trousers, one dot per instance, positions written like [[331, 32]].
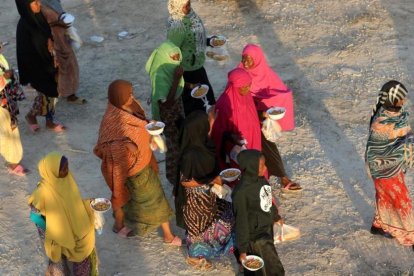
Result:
[[274, 162]]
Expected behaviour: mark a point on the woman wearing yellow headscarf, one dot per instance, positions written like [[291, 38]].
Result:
[[65, 222]]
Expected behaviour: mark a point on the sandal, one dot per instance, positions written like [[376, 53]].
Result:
[[19, 170], [176, 241], [291, 187], [57, 128], [379, 231], [200, 264], [125, 232], [76, 100]]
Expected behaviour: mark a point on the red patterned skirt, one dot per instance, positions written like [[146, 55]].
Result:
[[394, 212]]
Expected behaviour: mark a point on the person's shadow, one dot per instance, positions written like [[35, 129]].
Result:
[[310, 103]]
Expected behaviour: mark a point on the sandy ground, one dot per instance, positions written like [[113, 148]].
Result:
[[335, 55]]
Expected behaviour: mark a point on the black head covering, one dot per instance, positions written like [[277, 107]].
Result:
[[249, 164], [198, 160], [33, 19], [34, 61]]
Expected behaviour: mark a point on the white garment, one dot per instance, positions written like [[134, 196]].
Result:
[[10, 144]]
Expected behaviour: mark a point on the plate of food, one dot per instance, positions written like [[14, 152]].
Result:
[[276, 113], [155, 128], [230, 174], [199, 91], [101, 204], [253, 262], [218, 41]]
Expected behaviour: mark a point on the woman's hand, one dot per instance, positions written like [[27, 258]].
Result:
[[280, 222], [8, 74], [190, 183], [237, 139], [242, 257], [153, 144], [179, 71], [212, 115], [217, 180]]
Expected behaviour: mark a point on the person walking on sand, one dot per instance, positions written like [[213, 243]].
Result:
[[64, 221], [255, 215], [65, 58], [130, 168], [35, 61], [10, 92], [389, 153], [166, 73], [186, 30]]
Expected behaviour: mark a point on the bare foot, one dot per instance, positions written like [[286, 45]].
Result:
[[31, 120], [55, 127]]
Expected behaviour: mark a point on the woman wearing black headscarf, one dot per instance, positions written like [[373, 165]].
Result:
[[255, 214], [34, 45], [207, 219]]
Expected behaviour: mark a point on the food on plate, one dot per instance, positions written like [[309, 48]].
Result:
[[218, 41], [276, 111], [210, 54], [101, 206], [230, 173], [253, 263], [200, 91], [154, 127]]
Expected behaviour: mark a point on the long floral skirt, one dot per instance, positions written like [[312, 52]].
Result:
[[214, 236], [394, 209], [87, 267]]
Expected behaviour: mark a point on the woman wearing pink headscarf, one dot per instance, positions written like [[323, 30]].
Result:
[[267, 88], [237, 124]]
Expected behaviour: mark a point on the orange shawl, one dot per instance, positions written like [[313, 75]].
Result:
[[118, 128]]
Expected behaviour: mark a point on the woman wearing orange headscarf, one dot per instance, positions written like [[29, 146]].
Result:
[[64, 221], [129, 167]]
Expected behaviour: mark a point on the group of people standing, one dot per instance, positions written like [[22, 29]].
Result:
[[200, 144]]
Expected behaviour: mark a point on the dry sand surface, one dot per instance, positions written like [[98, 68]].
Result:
[[335, 55]]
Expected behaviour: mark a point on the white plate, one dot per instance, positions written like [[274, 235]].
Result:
[[155, 132], [196, 88], [253, 257], [68, 18], [100, 199], [219, 38], [230, 179], [276, 116]]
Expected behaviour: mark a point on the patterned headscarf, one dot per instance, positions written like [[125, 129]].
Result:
[[175, 8], [391, 93], [176, 21]]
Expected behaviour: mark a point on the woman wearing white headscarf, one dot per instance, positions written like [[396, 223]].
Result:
[[186, 30]]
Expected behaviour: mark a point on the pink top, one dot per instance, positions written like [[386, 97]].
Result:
[[236, 114], [267, 88]]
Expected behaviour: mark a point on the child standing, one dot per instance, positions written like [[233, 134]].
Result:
[[10, 92], [255, 214]]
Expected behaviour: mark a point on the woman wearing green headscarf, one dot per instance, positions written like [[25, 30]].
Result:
[[166, 73]]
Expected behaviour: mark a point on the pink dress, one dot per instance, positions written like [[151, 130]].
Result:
[[236, 114], [267, 88]]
